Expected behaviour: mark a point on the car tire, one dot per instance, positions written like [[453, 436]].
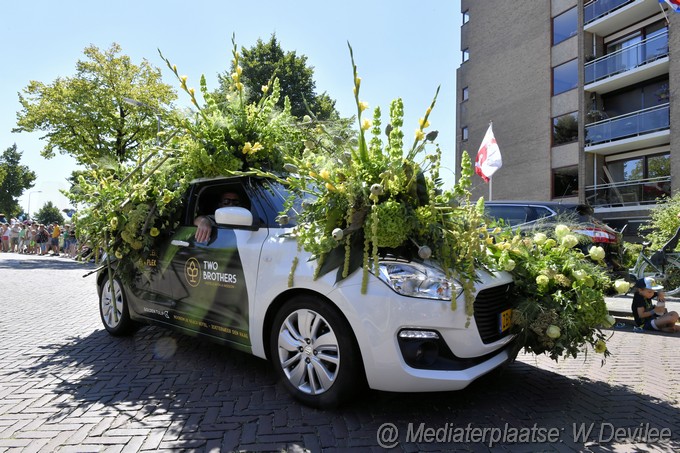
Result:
[[113, 309], [315, 353]]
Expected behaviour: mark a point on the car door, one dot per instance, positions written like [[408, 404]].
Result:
[[214, 280]]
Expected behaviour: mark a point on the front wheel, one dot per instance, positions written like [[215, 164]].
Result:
[[670, 278], [113, 309], [314, 353]]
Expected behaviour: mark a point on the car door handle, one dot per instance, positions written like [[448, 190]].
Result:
[[179, 243]]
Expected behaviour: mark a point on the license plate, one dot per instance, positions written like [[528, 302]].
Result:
[[505, 320]]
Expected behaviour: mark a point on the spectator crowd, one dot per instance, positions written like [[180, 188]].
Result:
[[33, 238]]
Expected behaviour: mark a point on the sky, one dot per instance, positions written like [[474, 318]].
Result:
[[402, 48]]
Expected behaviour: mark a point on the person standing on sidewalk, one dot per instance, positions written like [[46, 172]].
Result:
[[649, 316], [56, 232]]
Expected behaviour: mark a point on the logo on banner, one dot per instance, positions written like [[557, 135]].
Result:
[[192, 272]]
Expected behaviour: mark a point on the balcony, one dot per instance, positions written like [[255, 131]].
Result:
[[604, 17], [632, 64], [629, 193], [647, 127]]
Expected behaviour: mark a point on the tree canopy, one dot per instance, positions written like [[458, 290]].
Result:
[[103, 113], [49, 213], [265, 60], [14, 179]]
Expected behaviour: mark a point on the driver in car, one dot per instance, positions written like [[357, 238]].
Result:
[[204, 223]]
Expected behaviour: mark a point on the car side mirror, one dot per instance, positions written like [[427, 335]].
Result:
[[234, 216]]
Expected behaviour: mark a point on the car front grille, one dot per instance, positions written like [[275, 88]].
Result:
[[488, 306]]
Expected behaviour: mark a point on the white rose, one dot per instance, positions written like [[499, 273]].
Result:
[[561, 230], [596, 253], [540, 238], [553, 332]]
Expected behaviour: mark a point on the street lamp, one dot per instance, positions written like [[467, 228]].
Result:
[[158, 117], [28, 211]]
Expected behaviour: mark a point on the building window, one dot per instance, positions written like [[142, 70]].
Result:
[[465, 94], [564, 26], [464, 133], [640, 179], [565, 182], [565, 128], [466, 55], [466, 17], [565, 77]]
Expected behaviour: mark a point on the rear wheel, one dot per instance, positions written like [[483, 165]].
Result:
[[314, 353], [113, 308], [670, 278]]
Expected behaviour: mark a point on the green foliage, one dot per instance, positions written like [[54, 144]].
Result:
[[14, 179], [559, 291], [267, 60], [663, 221], [49, 213], [86, 116]]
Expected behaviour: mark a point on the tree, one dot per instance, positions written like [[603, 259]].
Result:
[[264, 60], [49, 213], [14, 179], [87, 115]]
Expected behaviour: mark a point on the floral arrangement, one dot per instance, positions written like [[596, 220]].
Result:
[[131, 207], [375, 196], [560, 291]]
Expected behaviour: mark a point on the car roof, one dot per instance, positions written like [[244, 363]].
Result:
[[558, 206]]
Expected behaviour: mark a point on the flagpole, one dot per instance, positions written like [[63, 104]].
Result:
[[664, 13], [490, 187]]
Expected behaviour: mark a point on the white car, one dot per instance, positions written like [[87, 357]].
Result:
[[324, 337]]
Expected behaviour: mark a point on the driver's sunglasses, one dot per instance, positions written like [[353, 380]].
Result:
[[230, 202]]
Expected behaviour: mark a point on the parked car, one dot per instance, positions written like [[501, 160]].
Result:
[[324, 338], [530, 215]]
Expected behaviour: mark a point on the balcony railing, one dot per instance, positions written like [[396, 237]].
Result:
[[628, 58], [629, 193], [629, 125], [599, 8]]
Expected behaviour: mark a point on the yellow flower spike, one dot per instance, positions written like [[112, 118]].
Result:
[[423, 123], [357, 82], [154, 232], [325, 174], [184, 79], [312, 174], [239, 70], [256, 147], [265, 88], [363, 106], [366, 124], [247, 148], [420, 135], [239, 86], [234, 77], [192, 92], [174, 68], [331, 187]]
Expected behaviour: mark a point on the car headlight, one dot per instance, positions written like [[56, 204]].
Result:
[[418, 280]]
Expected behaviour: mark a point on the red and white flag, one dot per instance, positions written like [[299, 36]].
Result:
[[674, 4], [488, 157]]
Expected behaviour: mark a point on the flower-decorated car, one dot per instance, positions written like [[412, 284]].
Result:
[[324, 336]]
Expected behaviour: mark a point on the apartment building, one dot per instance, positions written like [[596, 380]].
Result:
[[580, 95]]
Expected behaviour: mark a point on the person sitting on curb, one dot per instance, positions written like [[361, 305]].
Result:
[[204, 223], [648, 316]]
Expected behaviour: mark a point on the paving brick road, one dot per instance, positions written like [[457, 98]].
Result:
[[66, 385]]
